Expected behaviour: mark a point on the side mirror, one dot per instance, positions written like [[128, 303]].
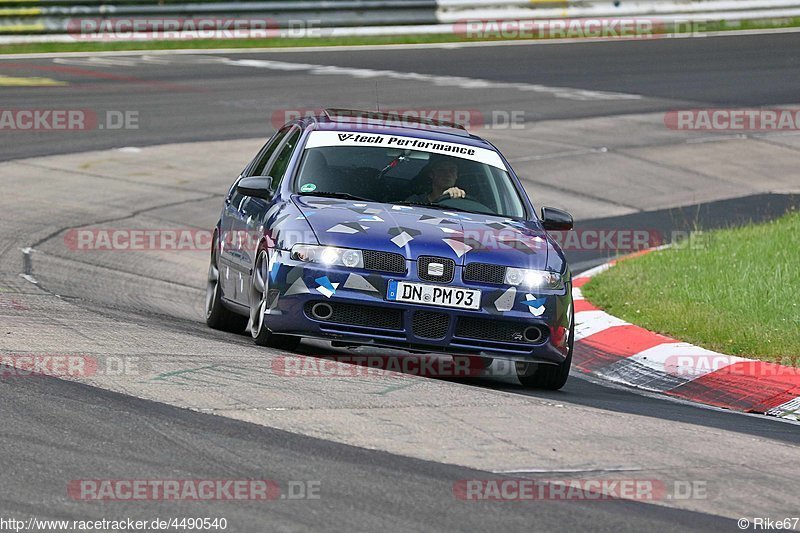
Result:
[[256, 186], [556, 219]]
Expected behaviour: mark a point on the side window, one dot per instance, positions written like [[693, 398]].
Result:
[[260, 161], [267, 152], [278, 167]]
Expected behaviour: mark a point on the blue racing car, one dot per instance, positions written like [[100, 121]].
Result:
[[366, 228]]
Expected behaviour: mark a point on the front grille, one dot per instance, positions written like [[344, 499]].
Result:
[[485, 273], [495, 330], [384, 261], [448, 268], [430, 325], [361, 315]]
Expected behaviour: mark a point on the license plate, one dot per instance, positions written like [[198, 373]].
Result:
[[418, 293]]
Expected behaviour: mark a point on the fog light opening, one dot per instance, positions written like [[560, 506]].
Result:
[[532, 334], [322, 311]]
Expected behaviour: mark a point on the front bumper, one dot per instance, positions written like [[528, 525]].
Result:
[[361, 314]]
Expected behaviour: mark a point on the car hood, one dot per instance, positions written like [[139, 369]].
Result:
[[417, 231]]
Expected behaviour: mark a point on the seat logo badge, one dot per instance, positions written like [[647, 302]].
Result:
[[435, 269]]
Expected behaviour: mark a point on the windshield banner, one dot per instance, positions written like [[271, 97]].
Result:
[[319, 139]]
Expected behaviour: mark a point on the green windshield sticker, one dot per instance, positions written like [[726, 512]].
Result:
[[308, 187]]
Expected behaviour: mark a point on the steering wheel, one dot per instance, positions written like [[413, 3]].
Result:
[[468, 203]]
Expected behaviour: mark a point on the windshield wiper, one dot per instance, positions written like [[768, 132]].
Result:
[[343, 195]]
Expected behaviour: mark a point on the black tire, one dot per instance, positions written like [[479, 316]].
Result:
[[549, 377], [217, 315], [259, 290]]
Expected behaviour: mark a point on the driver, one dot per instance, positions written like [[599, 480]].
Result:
[[442, 174]]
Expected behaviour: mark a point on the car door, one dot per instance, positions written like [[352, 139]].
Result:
[[254, 210], [233, 227]]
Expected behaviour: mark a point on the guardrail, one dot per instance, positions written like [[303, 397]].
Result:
[[344, 17], [54, 18], [452, 10]]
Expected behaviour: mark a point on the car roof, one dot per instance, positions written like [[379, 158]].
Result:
[[391, 124]]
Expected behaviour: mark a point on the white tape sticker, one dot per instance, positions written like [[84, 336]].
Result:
[[319, 139]]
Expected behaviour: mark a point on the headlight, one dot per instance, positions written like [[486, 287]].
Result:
[[534, 279], [328, 255]]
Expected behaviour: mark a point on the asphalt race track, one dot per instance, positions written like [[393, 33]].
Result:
[[197, 98], [386, 450]]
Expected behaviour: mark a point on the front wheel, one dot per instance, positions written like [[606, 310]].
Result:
[[549, 377], [259, 304]]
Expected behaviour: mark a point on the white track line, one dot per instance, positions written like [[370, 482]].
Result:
[[440, 81], [381, 47]]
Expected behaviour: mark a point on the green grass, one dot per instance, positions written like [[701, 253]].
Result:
[[738, 293], [80, 46]]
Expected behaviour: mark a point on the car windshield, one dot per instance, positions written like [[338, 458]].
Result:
[[408, 176]]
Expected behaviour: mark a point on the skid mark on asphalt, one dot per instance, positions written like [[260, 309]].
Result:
[[393, 388], [222, 375], [178, 377]]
